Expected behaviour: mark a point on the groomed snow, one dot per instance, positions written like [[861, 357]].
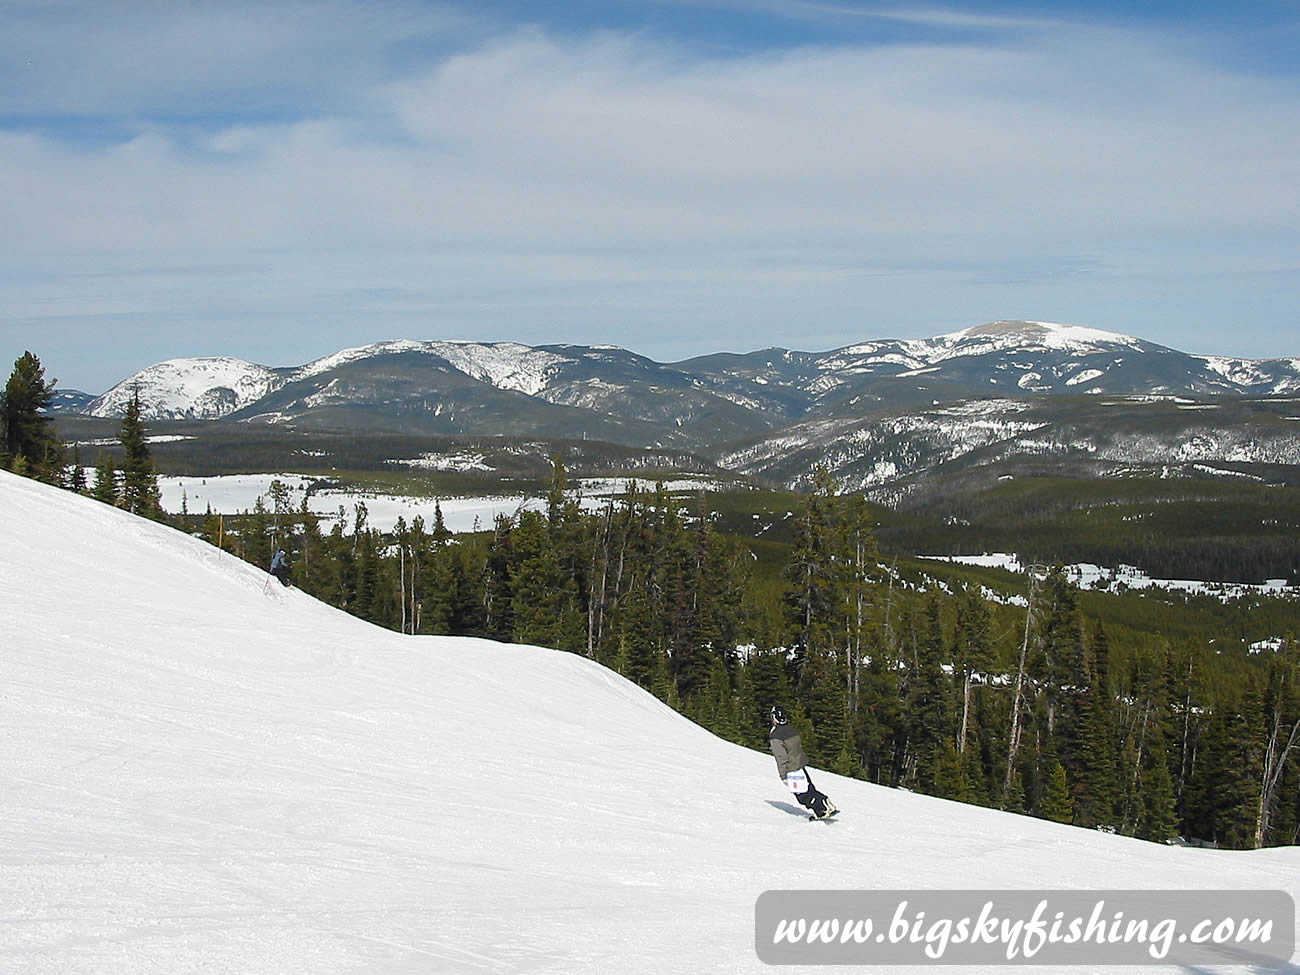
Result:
[[204, 773]]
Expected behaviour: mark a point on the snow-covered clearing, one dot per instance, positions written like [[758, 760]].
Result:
[[236, 493], [202, 773], [1090, 576]]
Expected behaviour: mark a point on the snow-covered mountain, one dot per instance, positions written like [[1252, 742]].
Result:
[[994, 359], [887, 450], [774, 385], [204, 773], [70, 401], [719, 404], [190, 389]]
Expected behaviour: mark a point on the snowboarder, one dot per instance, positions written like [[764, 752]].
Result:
[[280, 567], [791, 764]]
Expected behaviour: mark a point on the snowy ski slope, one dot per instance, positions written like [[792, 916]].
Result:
[[203, 774]]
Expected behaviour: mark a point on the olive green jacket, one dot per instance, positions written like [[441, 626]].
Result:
[[787, 748]]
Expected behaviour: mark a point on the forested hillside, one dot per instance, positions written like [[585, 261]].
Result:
[[1102, 710]]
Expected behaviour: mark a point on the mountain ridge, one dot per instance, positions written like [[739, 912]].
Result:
[[1021, 356], [877, 414]]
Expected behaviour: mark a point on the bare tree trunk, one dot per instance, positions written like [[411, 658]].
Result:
[[1183, 770], [415, 603], [1274, 765], [596, 601], [1130, 805], [1013, 744], [965, 713]]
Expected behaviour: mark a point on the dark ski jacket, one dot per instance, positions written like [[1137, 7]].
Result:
[[787, 748]]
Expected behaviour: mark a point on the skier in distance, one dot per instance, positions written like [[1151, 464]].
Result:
[[791, 765]]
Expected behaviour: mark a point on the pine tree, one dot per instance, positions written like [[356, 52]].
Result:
[[26, 430], [498, 600], [77, 474], [1057, 804], [1064, 667], [950, 774], [972, 653], [769, 684], [106, 487], [537, 584], [1222, 800], [928, 696], [139, 478], [662, 684], [637, 645], [1097, 780], [1159, 821]]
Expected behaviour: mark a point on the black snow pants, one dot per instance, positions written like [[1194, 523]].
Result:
[[812, 799]]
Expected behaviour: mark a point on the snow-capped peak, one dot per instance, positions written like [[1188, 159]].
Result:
[[356, 353], [1050, 335], [197, 388], [506, 365]]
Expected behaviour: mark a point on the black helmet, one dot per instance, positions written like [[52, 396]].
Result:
[[778, 714]]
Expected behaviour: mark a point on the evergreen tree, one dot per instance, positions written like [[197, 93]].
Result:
[[950, 774], [1097, 783], [27, 438], [662, 684], [972, 652], [928, 696], [1222, 799], [106, 487], [637, 643], [1057, 804], [139, 478], [498, 600], [1159, 821], [77, 473], [311, 554], [768, 683]]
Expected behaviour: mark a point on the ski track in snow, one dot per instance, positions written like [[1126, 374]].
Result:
[[206, 773]]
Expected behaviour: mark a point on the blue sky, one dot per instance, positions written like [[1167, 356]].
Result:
[[279, 180]]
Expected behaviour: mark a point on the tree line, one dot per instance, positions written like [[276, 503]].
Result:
[[30, 446], [938, 689]]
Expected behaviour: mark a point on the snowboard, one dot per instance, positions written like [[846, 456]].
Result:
[[824, 819]]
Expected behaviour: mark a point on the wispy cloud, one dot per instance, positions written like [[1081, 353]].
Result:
[[618, 178]]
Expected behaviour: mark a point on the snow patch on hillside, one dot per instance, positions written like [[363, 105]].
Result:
[[1090, 576], [356, 354], [457, 461], [505, 365], [1087, 375]]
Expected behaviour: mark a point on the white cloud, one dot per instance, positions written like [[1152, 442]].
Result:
[[773, 181], [610, 139]]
